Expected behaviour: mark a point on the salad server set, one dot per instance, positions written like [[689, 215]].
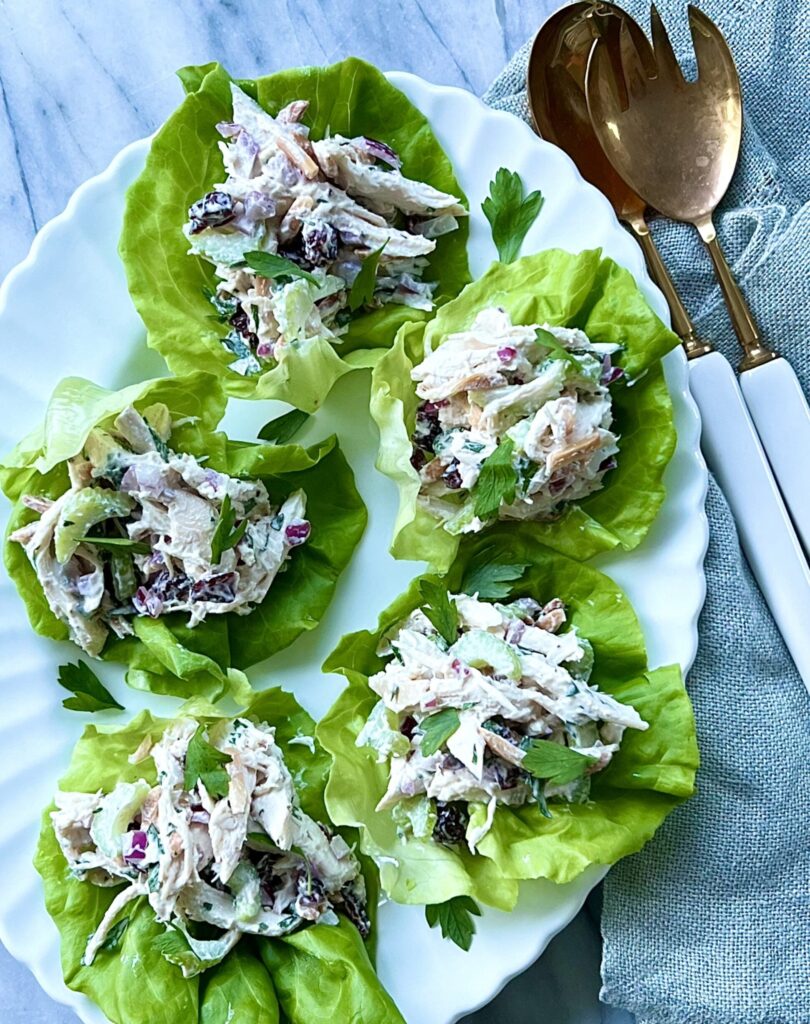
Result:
[[648, 137]]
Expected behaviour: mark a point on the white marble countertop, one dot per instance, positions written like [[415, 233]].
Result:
[[79, 80]]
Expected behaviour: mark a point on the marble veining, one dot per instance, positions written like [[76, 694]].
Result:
[[79, 79]]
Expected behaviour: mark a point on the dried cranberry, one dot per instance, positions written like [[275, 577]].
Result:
[[241, 323], [354, 907], [451, 823], [452, 477], [320, 243], [418, 458], [214, 209], [428, 427], [219, 589]]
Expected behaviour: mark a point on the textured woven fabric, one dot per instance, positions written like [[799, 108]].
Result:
[[710, 923]]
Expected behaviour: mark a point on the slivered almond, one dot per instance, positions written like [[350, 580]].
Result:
[[574, 451], [298, 158], [502, 747]]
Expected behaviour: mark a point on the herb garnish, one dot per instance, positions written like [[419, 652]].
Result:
[[89, 692], [556, 349], [114, 935], [489, 579], [135, 547], [270, 264], [225, 536], [509, 214], [362, 289], [284, 428], [438, 607], [205, 763], [548, 760], [497, 481], [438, 729], [455, 918]]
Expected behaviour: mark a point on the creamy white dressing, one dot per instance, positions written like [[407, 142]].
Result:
[[250, 861], [326, 205], [511, 677], [163, 509], [497, 383]]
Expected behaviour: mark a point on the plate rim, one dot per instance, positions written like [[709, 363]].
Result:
[[677, 379]]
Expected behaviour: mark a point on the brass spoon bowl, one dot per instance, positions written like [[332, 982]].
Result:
[[556, 74], [674, 142]]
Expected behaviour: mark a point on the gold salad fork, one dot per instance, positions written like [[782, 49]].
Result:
[[676, 143]]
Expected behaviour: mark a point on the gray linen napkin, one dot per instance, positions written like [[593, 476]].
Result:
[[710, 923]]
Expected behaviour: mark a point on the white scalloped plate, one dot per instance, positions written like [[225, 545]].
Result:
[[66, 310]]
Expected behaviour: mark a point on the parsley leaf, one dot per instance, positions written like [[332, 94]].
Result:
[[90, 694], [205, 763], [548, 760], [455, 917], [489, 579], [270, 264], [136, 547], [556, 349], [438, 729], [362, 289], [496, 482], [225, 537], [114, 935], [509, 214], [441, 611], [284, 428]]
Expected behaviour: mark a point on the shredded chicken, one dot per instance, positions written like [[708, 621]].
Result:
[[543, 390], [136, 535], [509, 682], [248, 861], [323, 205]]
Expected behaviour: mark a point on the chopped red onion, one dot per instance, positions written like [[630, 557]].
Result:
[[298, 532], [379, 151], [227, 129], [507, 354], [258, 207], [610, 373], [134, 846]]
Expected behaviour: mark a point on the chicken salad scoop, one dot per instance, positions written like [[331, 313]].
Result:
[[497, 709], [514, 421], [324, 214], [536, 396], [145, 530], [145, 535], [193, 873], [220, 840], [322, 210], [502, 723]]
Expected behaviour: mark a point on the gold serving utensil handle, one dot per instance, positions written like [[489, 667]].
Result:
[[755, 353], [681, 321]]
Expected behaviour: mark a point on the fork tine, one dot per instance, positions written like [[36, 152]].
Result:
[[605, 91], [635, 75], [714, 60], [667, 62]]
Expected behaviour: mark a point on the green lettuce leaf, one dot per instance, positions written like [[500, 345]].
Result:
[[561, 289], [167, 285], [652, 773], [261, 980], [165, 655]]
